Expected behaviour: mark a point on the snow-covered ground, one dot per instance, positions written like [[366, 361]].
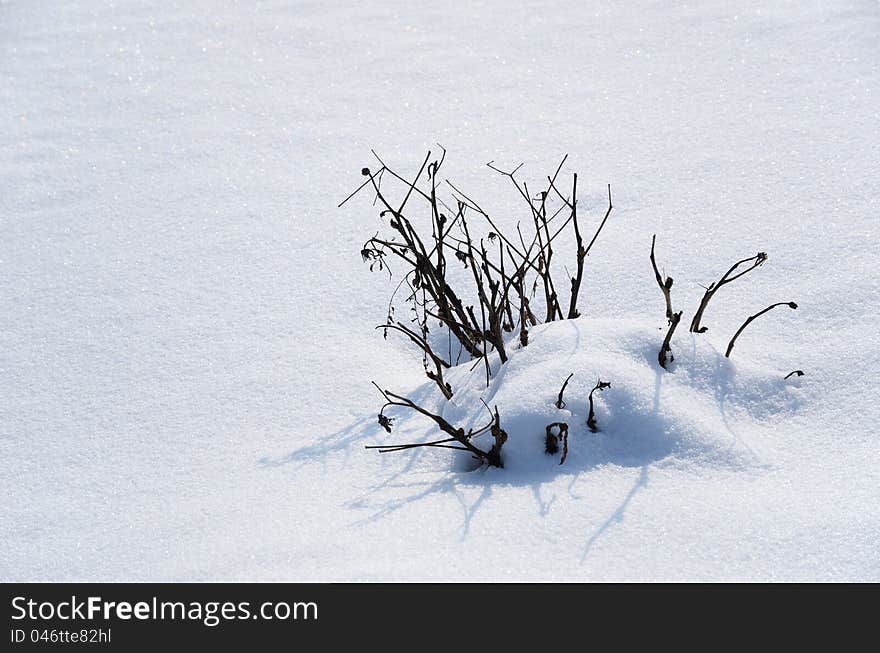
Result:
[[186, 326]]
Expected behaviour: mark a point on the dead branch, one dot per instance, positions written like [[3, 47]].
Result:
[[499, 437], [551, 441], [756, 261], [541, 264], [524, 311], [591, 418], [491, 457], [582, 251], [795, 373], [500, 281], [560, 404], [500, 290], [665, 284], [427, 274], [665, 356], [437, 374], [791, 305]]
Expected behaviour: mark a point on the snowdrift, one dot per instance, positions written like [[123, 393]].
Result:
[[680, 416]]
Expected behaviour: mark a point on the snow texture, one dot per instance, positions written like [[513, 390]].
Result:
[[187, 332]]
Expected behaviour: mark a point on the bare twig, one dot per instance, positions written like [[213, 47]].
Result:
[[665, 284], [551, 443], [601, 224], [560, 404], [665, 356], [491, 457], [437, 374], [591, 418], [726, 278], [552, 439], [502, 285], [499, 435], [581, 254], [749, 321], [795, 373]]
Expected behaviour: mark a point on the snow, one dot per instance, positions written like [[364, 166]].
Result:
[[187, 327], [687, 417]]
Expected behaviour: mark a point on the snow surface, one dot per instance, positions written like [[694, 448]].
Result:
[[187, 327]]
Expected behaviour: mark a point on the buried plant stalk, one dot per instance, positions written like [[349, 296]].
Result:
[[749, 321], [665, 355], [560, 403], [551, 442], [591, 418], [665, 284], [457, 435], [756, 261]]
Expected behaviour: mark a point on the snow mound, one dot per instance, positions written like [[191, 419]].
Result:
[[649, 415]]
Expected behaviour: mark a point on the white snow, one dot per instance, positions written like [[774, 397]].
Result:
[[186, 339]]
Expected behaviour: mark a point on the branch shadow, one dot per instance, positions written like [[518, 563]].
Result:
[[449, 484], [618, 514], [459, 481], [636, 435], [338, 442], [722, 391], [642, 481]]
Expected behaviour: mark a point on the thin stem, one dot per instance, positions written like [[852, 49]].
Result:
[[756, 261], [749, 321]]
